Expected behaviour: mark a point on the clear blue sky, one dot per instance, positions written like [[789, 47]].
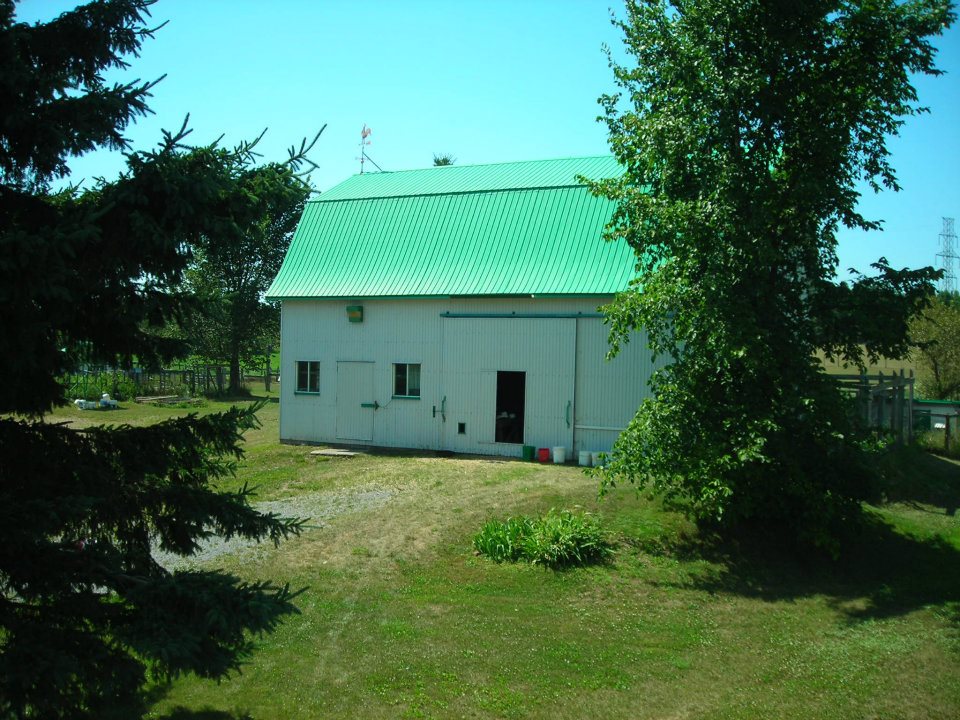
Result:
[[486, 81]]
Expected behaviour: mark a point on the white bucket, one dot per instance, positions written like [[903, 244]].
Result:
[[559, 455], [596, 459], [585, 458]]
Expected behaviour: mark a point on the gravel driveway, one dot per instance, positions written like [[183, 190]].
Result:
[[315, 508]]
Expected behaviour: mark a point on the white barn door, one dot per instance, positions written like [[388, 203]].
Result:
[[508, 366], [355, 401]]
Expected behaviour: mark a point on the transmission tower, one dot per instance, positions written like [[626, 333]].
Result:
[[947, 257]]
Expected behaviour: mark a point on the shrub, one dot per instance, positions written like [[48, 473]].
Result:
[[933, 441], [182, 404], [564, 538], [557, 539], [120, 387], [505, 540]]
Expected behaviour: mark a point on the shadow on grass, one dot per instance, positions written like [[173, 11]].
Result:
[[882, 572], [157, 692], [933, 480], [182, 713]]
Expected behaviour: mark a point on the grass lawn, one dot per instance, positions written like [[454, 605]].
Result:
[[399, 618]]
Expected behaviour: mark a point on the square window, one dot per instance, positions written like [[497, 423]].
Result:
[[406, 380], [308, 376], [461, 428]]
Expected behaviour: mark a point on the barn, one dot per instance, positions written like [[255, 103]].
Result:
[[456, 308]]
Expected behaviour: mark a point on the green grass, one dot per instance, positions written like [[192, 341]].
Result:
[[401, 619]]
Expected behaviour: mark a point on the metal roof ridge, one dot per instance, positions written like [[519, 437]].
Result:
[[493, 164], [450, 193], [457, 168]]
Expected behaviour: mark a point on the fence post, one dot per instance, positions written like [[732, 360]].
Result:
[[866, 400], [898, 398], [881, 401], [266, 365], [946, 434], [910, 411]]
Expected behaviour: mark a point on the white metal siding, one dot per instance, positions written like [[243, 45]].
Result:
[[412, 331], [474, 349], [608, 391]]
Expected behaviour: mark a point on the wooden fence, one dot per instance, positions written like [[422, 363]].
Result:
[[883, 402], [89, 382]]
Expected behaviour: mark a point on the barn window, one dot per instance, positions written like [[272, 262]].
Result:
[[406, 380], [308, 376]]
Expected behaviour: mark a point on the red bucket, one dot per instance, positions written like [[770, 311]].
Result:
[[543, 455]]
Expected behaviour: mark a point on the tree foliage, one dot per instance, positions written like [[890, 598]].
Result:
[[234, 264], [744, 127], [937, 353], [85, 610], [443, 159]]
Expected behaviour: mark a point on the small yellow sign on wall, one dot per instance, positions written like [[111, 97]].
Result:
[[355, 313]]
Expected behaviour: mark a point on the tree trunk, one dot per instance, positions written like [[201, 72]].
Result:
[[266, 365], [235, 372]]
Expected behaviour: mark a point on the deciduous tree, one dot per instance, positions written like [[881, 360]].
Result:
[[937, 335], [233, 266], [744, 127]]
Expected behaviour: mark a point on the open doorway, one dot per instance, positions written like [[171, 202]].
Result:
[[511, 395]]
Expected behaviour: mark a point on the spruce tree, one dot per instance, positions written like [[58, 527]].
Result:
[[86, 613]]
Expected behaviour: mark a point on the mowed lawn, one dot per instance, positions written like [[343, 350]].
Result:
[[400, 619]]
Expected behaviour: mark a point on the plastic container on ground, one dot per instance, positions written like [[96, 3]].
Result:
[[559, 455], [529, 452], [543, 455], [585, 458], [597, 462]]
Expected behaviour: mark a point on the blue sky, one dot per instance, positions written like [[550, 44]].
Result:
[[490, 81]]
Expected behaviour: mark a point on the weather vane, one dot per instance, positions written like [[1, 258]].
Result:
[[364, 134]]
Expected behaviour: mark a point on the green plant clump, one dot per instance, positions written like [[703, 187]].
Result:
[[503, 541], [557, 539]]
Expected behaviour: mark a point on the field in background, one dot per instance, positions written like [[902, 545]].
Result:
[[400, 619], [884, 365]]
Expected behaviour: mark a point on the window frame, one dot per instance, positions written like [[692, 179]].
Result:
[[315, 375], [406, 380]]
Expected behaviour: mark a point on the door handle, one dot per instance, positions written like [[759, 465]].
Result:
[[569, 402], [443, 408], [373, 405]]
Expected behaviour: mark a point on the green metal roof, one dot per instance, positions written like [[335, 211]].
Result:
[[524, 228]]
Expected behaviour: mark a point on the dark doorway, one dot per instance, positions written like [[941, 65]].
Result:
[[511, 392]]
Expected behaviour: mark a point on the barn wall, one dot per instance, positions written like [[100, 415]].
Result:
[[574, 397], [475, 349], [608, 392]]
